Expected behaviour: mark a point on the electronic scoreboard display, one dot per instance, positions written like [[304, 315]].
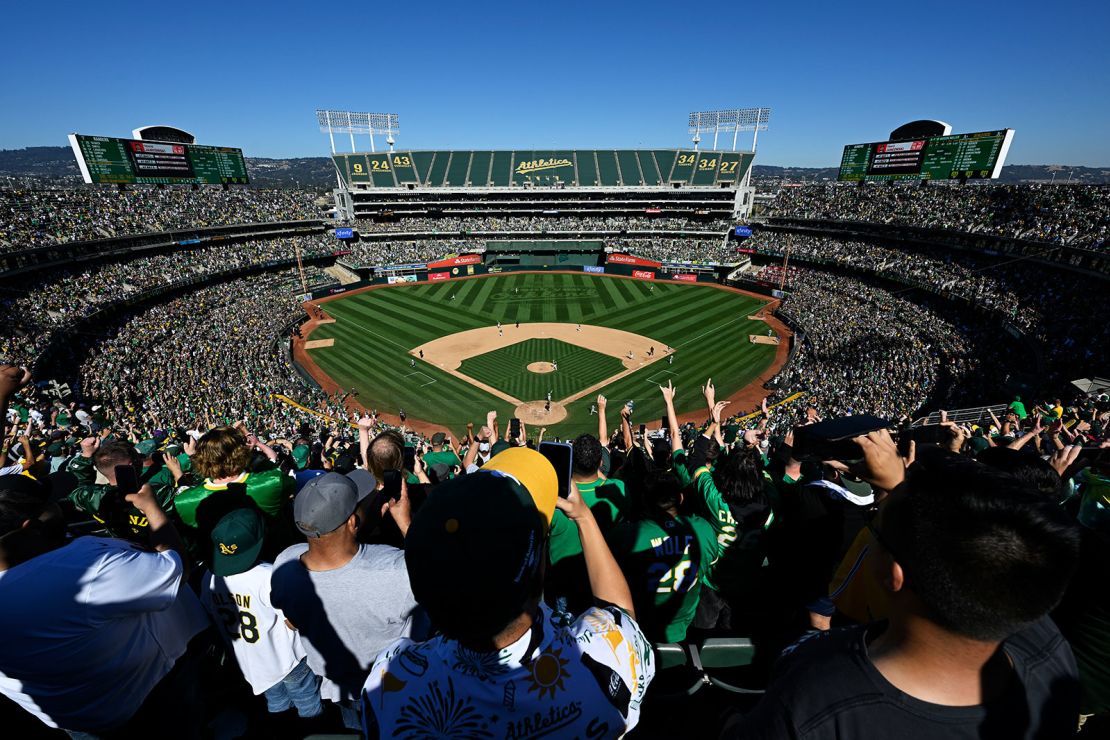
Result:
[[958, 156], [104, 159]]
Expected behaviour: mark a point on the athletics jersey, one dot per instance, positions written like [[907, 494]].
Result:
[[663, 562], [740, 541], [265, 648], [606, 500], [563, 678]]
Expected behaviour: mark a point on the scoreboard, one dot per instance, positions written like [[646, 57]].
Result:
[[972, 156], [104, 159]]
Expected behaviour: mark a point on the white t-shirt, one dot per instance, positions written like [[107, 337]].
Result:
[[90, 628], [562, 678], [265, 648]]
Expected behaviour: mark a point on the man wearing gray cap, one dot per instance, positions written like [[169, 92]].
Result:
[[348, 601]]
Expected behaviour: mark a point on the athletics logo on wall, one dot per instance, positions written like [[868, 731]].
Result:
[[534, 165]]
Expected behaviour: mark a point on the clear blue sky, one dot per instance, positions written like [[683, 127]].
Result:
[[560, 74]]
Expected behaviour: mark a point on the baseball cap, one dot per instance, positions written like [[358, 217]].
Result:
[[439, 438], [325, 503], [475, 550], [365, 481], [237, 541], [300, 456], [146, 447]]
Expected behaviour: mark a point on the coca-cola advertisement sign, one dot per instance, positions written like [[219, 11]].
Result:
[[643, 274]]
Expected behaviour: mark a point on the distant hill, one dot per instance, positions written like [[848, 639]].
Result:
[[56, 162]]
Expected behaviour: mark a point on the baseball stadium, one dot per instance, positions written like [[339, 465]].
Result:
[[531, 438]]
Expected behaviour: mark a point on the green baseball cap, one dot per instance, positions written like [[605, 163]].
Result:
[[146, 447], [236, 541], [300, 456]]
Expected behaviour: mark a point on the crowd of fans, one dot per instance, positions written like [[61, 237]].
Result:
[[542, 224], [1050, 311], [301, 578], [868, 350], [1077, 215], [34, 309], [36, 217], [182, 551]]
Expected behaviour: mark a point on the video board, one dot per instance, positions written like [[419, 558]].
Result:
[[105, 159], [957, 156]]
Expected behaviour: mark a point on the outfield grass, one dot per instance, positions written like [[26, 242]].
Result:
[[506, 369], [374, 331]]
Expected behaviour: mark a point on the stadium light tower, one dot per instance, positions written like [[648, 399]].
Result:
[[350, 122], [733, 120]]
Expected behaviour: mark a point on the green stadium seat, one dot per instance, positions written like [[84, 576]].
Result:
[[675, 677], [718, 654]]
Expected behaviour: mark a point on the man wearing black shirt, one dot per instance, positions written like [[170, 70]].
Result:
[[972, 563]]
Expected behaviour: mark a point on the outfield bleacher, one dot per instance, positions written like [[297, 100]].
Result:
[[633, 168]]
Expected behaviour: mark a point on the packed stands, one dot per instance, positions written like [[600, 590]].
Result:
[[1077, 215], [728, 540]]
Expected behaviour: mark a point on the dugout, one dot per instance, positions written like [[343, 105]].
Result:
[[555, 253]]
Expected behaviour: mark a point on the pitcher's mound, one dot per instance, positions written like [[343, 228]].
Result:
[[540, 367], [532, 412]]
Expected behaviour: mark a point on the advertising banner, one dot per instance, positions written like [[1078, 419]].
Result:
[[433, 276], [687, 278], [593, 268], [344, 232], [743, 231], [627, 259], [394, 279], [643, 274], [462, 259]]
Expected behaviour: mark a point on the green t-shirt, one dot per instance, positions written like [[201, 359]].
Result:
[[606, 500], [1019, 408], [443, 457], [663, 562]]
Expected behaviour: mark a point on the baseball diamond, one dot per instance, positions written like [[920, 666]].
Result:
[[587, 325]]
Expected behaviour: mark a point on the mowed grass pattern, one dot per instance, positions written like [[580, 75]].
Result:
[[506, 369], [374, 331]]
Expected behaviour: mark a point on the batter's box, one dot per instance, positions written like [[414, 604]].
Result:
[[659, 377], [425, 376]]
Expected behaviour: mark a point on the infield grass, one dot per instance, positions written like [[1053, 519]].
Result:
[[506, 369], [374, 330]]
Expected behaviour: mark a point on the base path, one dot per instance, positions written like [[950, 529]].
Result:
[[447, 353]]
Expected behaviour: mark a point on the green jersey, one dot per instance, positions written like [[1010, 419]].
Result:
[[104, 503], [740, 552], [443, 457], [663, 562], [270, 489]]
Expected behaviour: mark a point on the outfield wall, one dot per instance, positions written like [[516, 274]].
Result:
[[461, 271]]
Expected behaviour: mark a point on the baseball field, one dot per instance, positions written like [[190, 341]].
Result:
[[437, 349]]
